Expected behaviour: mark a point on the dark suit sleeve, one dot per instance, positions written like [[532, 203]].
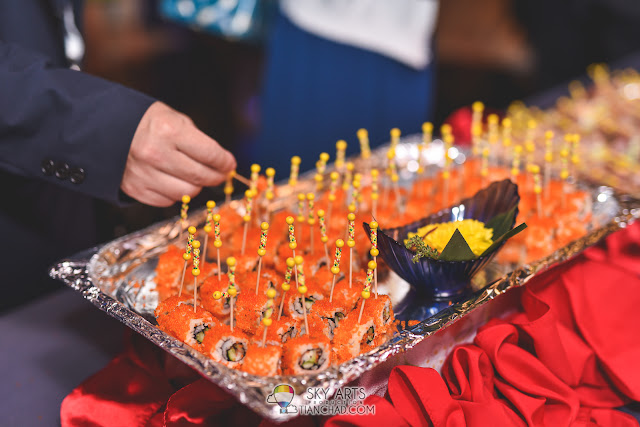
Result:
[[65, 126]]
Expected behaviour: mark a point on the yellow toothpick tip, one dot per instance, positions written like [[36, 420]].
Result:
[[362, 133], [264, 226], [339, 243], [231, 261], [427, 127], [211, 204], [341, 145], [324, 157], [298, 259], [270, 172], [477, 106], [373, 225], [493, 119], [191, 230], [216, 217], [289, 220], [186, 199], [395, 132], [255, 168], [196, 244], [311, 196], [295, 160]]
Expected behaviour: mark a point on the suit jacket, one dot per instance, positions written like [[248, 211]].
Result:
[[64, 140]]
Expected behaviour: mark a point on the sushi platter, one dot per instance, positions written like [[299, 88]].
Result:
[[121, 277]]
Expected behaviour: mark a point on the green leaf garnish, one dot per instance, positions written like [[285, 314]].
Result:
[[422, 250], [501, 223], [505, 236], [457, 249]]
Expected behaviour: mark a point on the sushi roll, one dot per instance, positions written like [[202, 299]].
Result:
[[169, 269], [352, 338], [171, 303], [317, 326], [280, 331], [226, 346], [305, 354], [380, 310], [219, 308], [188, 325], [250, 309], [293, 303], [330, 313], [345, 296], [264, 361]]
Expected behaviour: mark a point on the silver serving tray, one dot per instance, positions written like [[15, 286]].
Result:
[[118, 278]]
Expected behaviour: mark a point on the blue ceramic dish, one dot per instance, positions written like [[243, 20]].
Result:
[[434, 283]]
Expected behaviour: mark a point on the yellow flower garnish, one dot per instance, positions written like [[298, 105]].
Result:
[[474, 232]]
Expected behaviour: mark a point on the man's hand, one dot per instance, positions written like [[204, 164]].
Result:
[[170, 157]]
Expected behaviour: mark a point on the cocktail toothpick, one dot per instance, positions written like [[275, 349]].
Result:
[[493, 136], [335, 269], [374, 192], [537, 188], [548, 162], [348, 177], [477, 109], [232, 291], [506, 135], [321, 167], [393, 175], [195, 271], [575, 150], [228, 187], [447, 137], [301, 217], [333, 186], [248, 203], [217, 242], [286, 285], [366, 292], [530, 147], [395, 137], [270, 193], [564, 174], [302, 289], [187, 254], [267, 320], [363, 138], [292, 242], [311, 219], [255, 174], [341, 150], [351, 243], [295, 169], [484, 168], [183, 211], [515, 164], [427, 137], [374, 252], [207, 229], [355, 193], [323, 232], [262, 250]]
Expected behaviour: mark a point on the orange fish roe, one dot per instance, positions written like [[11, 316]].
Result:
[[225, 346], [250, 309], [305, 354], [262, 360]]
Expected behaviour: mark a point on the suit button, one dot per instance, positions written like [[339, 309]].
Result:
[[77, 175], [62, 171], [47, 167]]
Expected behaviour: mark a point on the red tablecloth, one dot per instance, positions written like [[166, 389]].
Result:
[[568, 357]]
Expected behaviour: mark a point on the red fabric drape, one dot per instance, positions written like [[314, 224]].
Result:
[[568, 357]]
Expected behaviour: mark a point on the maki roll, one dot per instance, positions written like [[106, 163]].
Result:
[[226, 346], [171, 303], [305, 354], [330, 313], [380, 310], [263, 361], [352, 338], [251, 309], [293, 303], [280, 331], [187, 325], [317, 326], [169, 269], [219, 308], [345, 296]]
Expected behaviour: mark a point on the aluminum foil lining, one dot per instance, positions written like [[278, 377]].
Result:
[[118, 278]]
